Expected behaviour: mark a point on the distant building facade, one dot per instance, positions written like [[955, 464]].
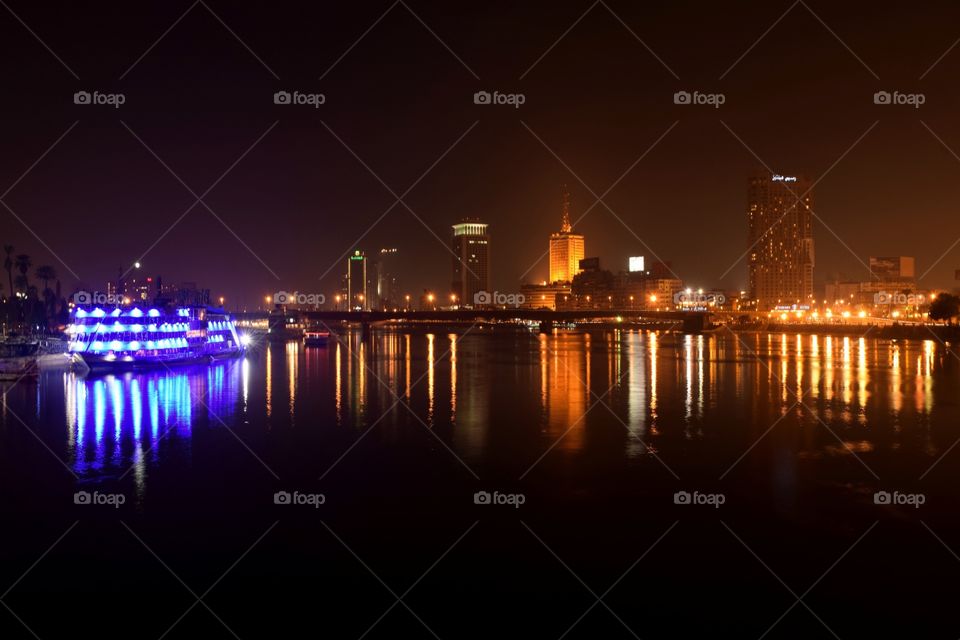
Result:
[[566, 248], [387, 283], [780, 240], [471, 259], [357, 281]]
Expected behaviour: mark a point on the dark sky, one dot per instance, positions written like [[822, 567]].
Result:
[[399, 99]]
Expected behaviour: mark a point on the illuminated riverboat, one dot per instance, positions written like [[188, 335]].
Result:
[[124, 338]]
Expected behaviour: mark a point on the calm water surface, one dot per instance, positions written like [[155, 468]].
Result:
[[597, 429]]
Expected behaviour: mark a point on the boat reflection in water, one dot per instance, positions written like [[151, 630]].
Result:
[[117, 424]]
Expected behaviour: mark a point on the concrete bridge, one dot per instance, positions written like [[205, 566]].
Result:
[[688, 321]]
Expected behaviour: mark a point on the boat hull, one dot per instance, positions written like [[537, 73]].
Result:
[[103, 363]]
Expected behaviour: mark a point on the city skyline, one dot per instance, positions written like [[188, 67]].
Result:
[[683, 199]]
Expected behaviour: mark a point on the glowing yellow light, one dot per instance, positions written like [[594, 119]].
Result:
[[862, 314], [846, 314]]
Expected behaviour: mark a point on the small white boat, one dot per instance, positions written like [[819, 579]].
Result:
[[18, 358], [25, 357]]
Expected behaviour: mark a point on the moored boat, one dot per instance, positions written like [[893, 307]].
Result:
[[316, 338], [133, 338]]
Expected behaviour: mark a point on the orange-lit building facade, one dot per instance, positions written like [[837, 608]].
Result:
[[566, 249], [780, 240]]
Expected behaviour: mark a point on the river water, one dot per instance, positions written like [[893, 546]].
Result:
[[696, 483]]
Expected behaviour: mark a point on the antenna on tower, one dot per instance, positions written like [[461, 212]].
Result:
[[565, 226]]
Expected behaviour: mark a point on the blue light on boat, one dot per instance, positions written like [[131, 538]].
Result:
[[116, 345], [81, 313], [134, 346], [136, 313], [98, 313], [115, 312]]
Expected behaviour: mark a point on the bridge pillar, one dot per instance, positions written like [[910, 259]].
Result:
[[546, 326], [694, 323], [365, 330]]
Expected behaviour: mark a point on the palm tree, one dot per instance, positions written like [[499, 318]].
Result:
[[8, 265], [24, 263], [45, 273]]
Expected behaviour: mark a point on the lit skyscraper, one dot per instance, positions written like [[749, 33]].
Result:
[[566, 248], [471, 259], [357, 281], [780, 240], [388, 288]]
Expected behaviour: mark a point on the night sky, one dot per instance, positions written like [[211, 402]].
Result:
[[399, 99]]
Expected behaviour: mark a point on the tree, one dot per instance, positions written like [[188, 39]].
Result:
[[945, 307], [24, 263], [45, 274]]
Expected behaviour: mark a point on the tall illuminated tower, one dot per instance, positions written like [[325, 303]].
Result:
[[566, 248], [780, 240], [471, 259], [357, 281]]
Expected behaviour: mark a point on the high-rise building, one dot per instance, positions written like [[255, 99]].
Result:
[[471, 259], [566, 248], [893, 269], [357, 281], [388, 288], [780, 240]]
